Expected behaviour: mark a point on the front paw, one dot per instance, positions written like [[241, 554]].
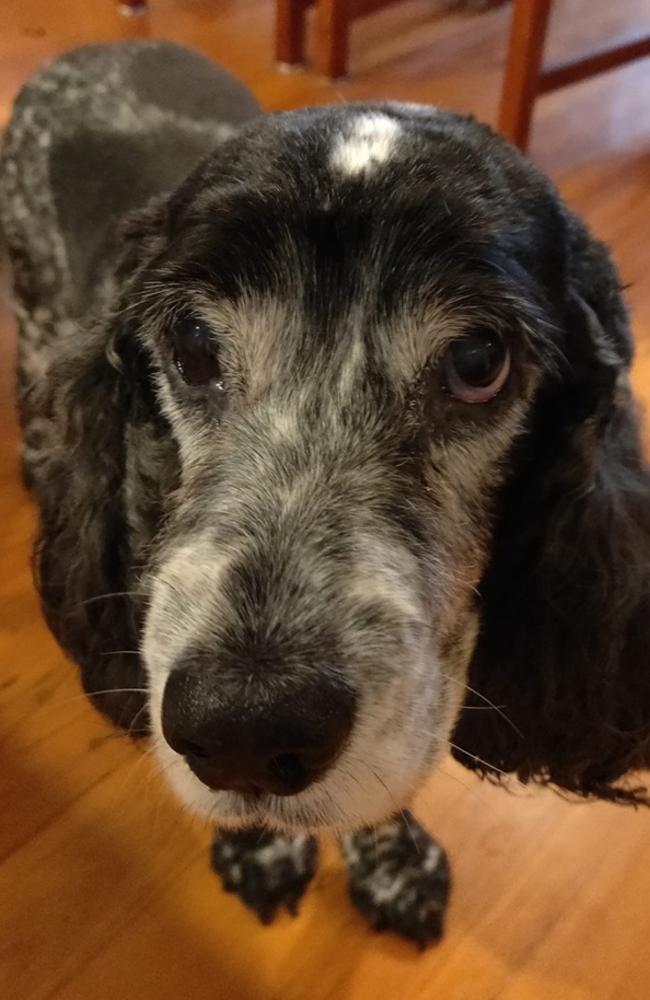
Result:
[[399, 879], [268, 871]]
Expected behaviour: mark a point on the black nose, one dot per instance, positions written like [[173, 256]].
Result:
[[256, 736]]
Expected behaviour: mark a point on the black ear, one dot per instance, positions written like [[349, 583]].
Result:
[[82, 553], [564, 647], [79, 424]]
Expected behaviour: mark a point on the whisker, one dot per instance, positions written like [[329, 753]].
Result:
[[403, 813], [37, 709], [137, 765], [479, 760], [381, 781], [116, 593], [136, 718], [121, 652], [474, 691], [352, 777], [484, 698], [93, 694], [468, 788], [479, 708]]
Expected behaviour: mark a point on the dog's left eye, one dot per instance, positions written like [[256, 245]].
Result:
[[195, 353], [476, 366]]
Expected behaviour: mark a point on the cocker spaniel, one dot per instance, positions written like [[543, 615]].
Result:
[[328, 419]]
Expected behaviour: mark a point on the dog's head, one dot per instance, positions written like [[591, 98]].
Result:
[[395, 368]]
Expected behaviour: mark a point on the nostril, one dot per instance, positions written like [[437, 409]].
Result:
[[189, 749], [290, 768], [285, 741]]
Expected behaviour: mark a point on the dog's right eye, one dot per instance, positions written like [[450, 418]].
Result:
[[196, 355]]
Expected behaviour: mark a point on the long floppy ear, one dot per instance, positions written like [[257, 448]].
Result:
[[564, 649], [95, 498]]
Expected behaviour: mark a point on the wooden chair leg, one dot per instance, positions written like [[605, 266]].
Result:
[[290, 25], [332, 30], [524, 63]]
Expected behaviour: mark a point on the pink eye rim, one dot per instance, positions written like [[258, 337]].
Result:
[[476, 367]]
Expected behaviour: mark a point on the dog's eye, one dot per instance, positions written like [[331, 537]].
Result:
[[476, 366], [195, 353]]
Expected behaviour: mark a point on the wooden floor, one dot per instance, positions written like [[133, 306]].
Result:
[[105, 890]]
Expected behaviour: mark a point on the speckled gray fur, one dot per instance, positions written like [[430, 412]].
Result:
[[399, 877], [94, 135], [72, 165], [268, 871]]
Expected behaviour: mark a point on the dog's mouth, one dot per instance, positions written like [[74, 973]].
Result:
[[267, 810], [360, 790]]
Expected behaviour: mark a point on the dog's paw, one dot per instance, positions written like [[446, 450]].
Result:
[[268, 871], [399, 879]]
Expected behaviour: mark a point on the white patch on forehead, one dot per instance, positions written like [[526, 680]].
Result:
[[369, 142]]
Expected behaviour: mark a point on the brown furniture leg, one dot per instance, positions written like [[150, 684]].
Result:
[[523, 69], [332, 28], [290, 27]]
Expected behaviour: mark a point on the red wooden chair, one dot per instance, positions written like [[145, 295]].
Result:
[[333, 21], [526, 77]]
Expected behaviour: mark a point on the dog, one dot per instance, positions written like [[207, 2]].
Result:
[[328, 420]]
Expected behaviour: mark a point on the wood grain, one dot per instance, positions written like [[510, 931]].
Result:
[[105, 889]]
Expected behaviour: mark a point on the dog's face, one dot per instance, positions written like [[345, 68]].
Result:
[[348, 329]]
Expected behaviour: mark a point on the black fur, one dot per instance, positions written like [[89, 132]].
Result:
[[565, 637]]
